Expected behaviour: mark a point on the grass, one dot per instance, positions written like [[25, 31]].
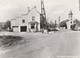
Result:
[[9, 41]]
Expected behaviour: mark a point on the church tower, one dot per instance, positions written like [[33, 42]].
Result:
[[71, 17], [70, 22]]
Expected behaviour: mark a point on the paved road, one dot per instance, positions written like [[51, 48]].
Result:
[[54, 45]]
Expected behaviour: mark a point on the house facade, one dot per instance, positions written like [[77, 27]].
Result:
[[29, 22]]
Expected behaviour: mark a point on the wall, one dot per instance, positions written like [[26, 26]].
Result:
[[27, 18]]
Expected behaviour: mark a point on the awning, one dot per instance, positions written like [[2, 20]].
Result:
[[33, 22]]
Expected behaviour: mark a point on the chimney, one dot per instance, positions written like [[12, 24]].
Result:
[[28, 9], [34, 6]]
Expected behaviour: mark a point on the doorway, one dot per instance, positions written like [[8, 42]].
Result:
[[23, 28]]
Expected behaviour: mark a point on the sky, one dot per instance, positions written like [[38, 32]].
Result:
[[10, 9]]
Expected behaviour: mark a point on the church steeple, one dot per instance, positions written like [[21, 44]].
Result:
[[71, 14], [71, 17]]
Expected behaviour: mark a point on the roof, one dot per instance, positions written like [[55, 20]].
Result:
[[30, 11], [63, 23], [33, 22]]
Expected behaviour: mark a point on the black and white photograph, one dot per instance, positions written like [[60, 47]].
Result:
[[39, 28]]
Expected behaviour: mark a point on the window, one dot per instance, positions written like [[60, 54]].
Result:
[[32, 27], [33, 18], [23, 21]]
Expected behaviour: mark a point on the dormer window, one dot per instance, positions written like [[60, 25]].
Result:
[[23, 21]]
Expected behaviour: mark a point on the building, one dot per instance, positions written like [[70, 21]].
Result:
[[70, 22], [33, 21], [66, 24], [29, 22]]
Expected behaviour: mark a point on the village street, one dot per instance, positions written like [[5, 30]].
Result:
[[61, 44]]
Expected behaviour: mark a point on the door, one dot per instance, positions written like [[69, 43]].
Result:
[[23, 28], [15, 28]]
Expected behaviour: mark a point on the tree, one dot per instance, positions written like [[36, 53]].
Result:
[[8, 24]]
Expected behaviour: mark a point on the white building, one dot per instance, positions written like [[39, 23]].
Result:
[[66, 24], [71, 21], [29, 22]]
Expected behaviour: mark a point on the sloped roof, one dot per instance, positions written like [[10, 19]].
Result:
[[63, 22], [30, 11], [33, 22]]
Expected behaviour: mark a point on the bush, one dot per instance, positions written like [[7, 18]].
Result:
[[9, 40]]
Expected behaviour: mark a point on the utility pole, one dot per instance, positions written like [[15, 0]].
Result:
[[59, 19], [79, 5], [43, 22]]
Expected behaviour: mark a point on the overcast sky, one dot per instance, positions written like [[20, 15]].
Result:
[[9, 9]]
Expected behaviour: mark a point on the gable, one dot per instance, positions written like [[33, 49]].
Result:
[[35, 14], [29, 15], [27, 18]]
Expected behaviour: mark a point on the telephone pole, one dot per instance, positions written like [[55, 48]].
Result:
[[59, 20], [79, 5]]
